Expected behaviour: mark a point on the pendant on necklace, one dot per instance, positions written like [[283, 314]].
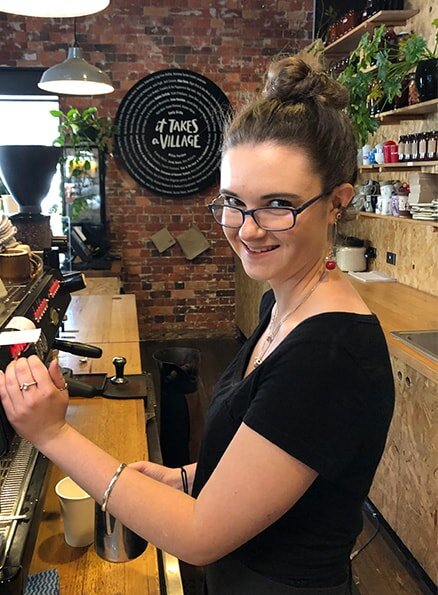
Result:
[[257, 362]]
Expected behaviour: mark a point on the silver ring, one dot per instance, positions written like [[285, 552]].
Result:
[[25, 385], [65, 387]]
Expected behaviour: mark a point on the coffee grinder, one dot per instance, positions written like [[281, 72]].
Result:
[[27, 172]]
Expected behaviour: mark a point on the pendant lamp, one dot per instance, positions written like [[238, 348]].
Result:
[[53, 8], [75, 76]]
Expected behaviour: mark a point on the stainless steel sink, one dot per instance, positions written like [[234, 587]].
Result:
[[424, 341]]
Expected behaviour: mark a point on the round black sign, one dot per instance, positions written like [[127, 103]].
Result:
[[170, 131]]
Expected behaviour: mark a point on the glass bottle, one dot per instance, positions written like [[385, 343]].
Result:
[[414, 147], [371, 7], [434, 145], [408, 147], [401, 148], [422, 146]]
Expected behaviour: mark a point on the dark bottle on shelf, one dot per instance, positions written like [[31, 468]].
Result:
[[408, 147], [433, 146], [392, 5], [371, 7], [401, 148], [422, 146], [414, 147]]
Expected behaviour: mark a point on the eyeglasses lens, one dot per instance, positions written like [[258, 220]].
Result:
[[275, 219]]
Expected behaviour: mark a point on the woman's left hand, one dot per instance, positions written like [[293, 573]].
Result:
[[34, 398]]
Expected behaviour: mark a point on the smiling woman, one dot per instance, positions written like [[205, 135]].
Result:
[[297, 423]]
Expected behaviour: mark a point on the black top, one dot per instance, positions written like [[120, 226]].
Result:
[[325, 395]]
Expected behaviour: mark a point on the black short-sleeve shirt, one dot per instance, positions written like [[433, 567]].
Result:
[[326, 397]]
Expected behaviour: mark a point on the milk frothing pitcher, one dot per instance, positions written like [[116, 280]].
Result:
[[113, 541]]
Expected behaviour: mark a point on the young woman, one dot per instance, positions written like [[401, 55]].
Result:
[[298, 421]]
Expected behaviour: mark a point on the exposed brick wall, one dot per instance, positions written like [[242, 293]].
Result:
[[228, 41]]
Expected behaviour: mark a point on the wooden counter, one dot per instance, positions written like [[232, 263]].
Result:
[[402, 308], [117, 426], [101, 319]]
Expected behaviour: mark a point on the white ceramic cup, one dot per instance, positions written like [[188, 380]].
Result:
[[386, 190], [386, 206], [379, 204], [77, 511]]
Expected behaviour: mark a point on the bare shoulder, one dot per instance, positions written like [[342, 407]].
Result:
[[341, 296]]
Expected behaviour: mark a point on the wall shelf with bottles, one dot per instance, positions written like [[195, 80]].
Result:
[[345, 44], [401, 166], [410, 112], [407, 220]]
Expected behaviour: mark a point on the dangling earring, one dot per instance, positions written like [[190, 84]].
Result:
[[330, 259]]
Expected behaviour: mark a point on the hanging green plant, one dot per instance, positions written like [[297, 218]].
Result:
[[81, 133], [84, 130]]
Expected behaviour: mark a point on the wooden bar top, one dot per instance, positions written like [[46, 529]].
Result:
[[402, 308], [119, 427], [101, 319]]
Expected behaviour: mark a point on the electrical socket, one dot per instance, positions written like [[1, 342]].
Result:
[[371, 252], [390, 257]]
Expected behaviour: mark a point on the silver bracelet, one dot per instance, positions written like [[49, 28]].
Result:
[[111, 484]]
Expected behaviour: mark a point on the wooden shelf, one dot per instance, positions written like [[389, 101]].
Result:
[[345, 44], [402, 166], [410, 112], [407, 220]]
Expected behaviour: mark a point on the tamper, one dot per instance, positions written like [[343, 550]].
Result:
[[119, 364]]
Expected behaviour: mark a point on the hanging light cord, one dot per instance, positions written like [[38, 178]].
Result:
[[75, 42]]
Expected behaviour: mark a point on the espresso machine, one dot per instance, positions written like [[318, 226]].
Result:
[[36, 305]]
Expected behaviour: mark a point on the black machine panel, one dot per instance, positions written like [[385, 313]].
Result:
[[41, 303]]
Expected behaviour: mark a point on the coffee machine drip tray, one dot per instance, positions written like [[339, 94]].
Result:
[[16, 469]]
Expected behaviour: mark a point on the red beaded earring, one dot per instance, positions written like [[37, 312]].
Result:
[[330, 259]]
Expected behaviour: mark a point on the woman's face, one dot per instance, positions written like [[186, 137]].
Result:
[[259, 175]]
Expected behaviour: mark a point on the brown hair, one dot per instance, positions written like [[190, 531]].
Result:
[[304, 108]]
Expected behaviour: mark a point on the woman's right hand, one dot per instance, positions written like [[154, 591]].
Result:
[[167, 475]]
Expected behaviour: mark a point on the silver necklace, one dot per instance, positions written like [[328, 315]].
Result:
[[273, 332]]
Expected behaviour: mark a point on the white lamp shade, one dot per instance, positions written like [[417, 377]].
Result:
[[75, 76], [53, 8]]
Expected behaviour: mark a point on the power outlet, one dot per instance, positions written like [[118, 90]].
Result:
[[390, 257]]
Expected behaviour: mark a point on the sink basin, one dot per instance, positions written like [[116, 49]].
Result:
[[424, 341]]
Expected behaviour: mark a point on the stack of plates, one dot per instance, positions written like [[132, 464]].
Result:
[[425, 211]]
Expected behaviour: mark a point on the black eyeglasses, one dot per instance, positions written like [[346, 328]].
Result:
[[267, 218]]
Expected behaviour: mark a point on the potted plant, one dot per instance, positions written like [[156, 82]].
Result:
[[87, 139], [426, 74], [376, 76], [361, 77]]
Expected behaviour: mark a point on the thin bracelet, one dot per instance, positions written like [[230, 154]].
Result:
[[111, 484], [185, 483]]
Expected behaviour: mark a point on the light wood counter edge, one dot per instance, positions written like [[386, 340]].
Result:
[[427, 319]]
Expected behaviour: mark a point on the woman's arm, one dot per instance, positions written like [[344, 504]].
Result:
[[253, 485], [171, 476]]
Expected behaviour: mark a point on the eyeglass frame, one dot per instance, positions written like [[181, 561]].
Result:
[[295, 212]]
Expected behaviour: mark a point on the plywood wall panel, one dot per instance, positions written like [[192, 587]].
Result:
[[415, 246]]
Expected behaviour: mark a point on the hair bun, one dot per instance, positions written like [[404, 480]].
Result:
[[292, 80]]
